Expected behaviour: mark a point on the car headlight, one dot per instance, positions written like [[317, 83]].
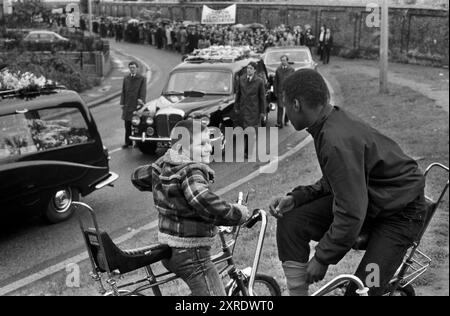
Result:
[[149, 120], [272, 106], [150, 131], [135, 120], [205, 120]]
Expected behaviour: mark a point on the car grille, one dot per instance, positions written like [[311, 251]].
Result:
[[165, 122]]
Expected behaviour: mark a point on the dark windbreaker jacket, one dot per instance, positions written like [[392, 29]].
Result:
[[366, 172]]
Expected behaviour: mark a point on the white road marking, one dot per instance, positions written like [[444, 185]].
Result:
[[115, 150], [256, 173]]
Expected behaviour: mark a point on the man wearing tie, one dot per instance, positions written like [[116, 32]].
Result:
[[283, 71], [134, 91], [250, 103]]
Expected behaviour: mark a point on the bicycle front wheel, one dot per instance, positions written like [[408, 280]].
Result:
[[264, 286]]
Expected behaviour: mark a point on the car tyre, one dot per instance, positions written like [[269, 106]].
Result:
[[60, 208], [147, 148]]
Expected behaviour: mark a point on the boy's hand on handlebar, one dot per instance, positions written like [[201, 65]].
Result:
[[281, 205]]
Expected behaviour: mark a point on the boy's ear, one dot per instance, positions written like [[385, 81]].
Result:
[[297, 106]]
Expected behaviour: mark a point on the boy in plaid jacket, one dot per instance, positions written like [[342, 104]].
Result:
[[189, 212]]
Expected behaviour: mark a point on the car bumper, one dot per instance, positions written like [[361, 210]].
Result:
[[110, 179], [145, 138]]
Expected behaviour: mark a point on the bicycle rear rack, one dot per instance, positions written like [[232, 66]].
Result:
[[418, 264]]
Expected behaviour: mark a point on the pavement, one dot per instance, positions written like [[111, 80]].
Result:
[[111, 86]]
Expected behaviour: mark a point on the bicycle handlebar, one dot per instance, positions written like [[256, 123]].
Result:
[[256, 217], [333, 284]]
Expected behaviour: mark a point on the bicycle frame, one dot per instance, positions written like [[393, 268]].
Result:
[[154, 282], [341, 280]]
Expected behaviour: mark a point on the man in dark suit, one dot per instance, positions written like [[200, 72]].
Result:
[[328, 44], [192, 40], [159, 36], [284, 71], [134, 91], [250, 103]]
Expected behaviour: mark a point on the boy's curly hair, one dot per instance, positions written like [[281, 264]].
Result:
[[307, 85]]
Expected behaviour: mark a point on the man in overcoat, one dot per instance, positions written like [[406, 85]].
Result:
[[134, 91], [250, 103], [283, 71]]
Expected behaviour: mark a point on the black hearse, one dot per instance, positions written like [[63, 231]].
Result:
[[50, 153]]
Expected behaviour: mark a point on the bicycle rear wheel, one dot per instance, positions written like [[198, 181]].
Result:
[[407, 290], [264, 286]]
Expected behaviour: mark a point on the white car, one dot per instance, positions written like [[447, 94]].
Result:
[[46, 37]]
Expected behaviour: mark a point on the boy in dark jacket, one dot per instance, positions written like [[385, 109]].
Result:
[[189, 212], [369, 185]]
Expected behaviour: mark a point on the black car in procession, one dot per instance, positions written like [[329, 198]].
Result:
[[202, 87], [50, 154]]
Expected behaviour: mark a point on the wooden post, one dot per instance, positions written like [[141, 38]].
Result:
[[384, 48]]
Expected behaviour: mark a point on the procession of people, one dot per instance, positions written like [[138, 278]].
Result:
[[186, 36]]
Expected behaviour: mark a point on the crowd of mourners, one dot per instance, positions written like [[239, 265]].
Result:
[[185, 37]]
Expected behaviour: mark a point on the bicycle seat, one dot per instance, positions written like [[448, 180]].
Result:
[[109, 257]]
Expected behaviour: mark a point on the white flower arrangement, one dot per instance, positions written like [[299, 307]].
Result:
[[22, 81], [223, 52]]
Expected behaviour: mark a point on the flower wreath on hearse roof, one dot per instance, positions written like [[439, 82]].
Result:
[[222, 54], [25, 85]]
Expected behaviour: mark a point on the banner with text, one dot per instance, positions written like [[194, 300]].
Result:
[[224, 16]]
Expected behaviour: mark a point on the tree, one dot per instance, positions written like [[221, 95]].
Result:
[[25, 14], [84, 6]]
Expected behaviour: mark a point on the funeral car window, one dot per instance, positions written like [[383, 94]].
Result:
[[213, 82], [41, 130], [296, 56]]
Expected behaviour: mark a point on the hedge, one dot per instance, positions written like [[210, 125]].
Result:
[[55, 67]]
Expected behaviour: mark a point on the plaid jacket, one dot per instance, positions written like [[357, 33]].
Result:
[[188, 211]]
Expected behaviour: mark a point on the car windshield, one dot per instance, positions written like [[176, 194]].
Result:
[[32, 36], [208, 82], [296, 56], [41, 130]]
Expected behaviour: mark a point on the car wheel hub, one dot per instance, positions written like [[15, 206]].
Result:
[[62, 200]]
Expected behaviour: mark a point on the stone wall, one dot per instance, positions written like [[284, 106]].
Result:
[[419, 33]]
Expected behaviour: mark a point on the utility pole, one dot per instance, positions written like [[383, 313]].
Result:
[[384, 48], [90, 16]]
